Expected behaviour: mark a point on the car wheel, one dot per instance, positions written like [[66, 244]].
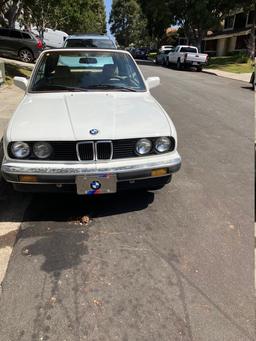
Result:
[[26, 56], [167, 63], [199, 68], [178, 64]]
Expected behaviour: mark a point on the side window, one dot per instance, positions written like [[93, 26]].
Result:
[[26, 36], [15, 34], [40, 73], [4, 32]]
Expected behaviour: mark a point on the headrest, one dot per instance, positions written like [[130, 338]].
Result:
[[62, 71]]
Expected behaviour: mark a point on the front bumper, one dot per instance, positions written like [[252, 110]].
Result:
[[64, 173]]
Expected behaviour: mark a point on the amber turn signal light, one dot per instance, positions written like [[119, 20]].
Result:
[[159, 172], [28, 178]]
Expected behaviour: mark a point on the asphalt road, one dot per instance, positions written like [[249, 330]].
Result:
[[172, 265]]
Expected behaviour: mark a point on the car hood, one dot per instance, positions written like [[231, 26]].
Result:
[[71, 116]]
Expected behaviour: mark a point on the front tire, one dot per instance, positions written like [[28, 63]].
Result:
[[26, 56], [178, 64]]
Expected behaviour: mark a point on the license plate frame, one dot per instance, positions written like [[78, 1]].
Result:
[[96, 184], [195, 63]]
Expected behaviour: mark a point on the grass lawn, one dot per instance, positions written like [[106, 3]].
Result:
[[12, 70], [235, 64]]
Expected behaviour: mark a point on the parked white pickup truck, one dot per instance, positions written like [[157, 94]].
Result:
[[187, 56]]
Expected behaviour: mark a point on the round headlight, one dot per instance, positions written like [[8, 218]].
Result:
[[42, 150], [143, 146], [162, 144], [20, 150]]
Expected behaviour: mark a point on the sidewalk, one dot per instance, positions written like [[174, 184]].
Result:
[[10, 96], [243, 77]]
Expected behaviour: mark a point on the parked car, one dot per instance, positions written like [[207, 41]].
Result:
[[53, 38], [140, 53], [165, 47], [187, 56], [162, 56], [93, 128], [20, 44], [99, 41]]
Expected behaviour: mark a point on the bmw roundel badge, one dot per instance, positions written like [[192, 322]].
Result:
[[95, 185], [94, 131]]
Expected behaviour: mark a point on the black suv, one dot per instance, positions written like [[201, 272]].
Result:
[[20, 44]]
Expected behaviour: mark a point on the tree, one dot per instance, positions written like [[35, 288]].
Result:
[[127, 22], [251, 44], [71, 16], [9, 12], [83, 16], [40, 13], [196, 17], [159, 17]]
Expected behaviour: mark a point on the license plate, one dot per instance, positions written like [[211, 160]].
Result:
[[96, 184], [195, 63]]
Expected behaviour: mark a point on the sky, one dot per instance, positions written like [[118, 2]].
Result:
[[108, 4]]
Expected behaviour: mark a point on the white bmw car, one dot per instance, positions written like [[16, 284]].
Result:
[[88, 124]]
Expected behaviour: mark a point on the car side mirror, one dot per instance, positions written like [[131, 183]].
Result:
[[21, 82], [153, 82]]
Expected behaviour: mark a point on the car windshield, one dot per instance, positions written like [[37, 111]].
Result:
[[90, 43], [86, 71], [188, 49]]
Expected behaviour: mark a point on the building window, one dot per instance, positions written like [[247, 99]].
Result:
[[229, 23], [240, 21], [250, 18]]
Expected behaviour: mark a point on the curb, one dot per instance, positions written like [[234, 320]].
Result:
[[18, 63], [235, 78]]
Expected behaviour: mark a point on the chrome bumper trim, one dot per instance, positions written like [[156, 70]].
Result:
[[122, 166]]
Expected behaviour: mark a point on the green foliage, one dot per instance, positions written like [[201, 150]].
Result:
[[159, 16], [70, 16], [127, 23], [83, 16], [195, 17]]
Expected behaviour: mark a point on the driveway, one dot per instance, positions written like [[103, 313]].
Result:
[[170, 265]]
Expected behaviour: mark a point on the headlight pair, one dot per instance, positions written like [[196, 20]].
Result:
[[21, 150], [161, 145]]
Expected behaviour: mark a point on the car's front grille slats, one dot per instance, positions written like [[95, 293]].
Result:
[[91, 150], [85, 151], [104, 150]]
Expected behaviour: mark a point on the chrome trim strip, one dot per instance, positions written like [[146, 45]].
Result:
[[44, 168], [73, 183]]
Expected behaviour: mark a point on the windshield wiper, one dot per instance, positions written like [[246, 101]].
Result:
[[110, 87], [60, 87]]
